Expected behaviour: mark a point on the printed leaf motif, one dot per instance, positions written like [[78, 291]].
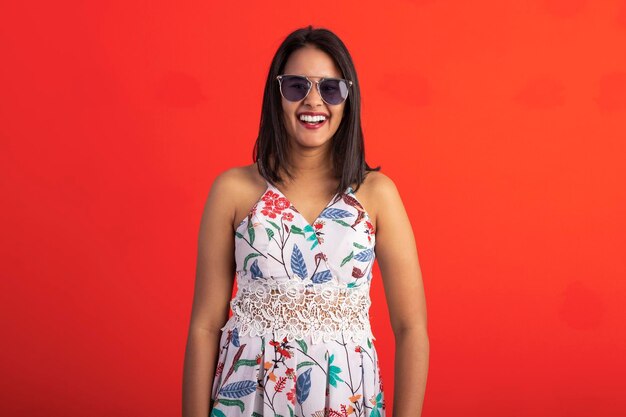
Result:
[[251, 234], [290, 410], [236, 403], [341, 222], [309, 229], [347, 258], [274, 225], [335, 213], [375, 412], [333, 375], [369, 342], [297, 263], [270, 233], [234, 337], [296, 230], [364, 256], [303, 364], [245, 362], [255, 414], [238, 389], [303, 386], [333, 372], [322, 276], [379, 397], [239, 235], [217, 413], [359, 246], [255, 270], [302, 344], [250, 256]]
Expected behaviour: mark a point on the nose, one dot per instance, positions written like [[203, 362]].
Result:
[[314, 99]]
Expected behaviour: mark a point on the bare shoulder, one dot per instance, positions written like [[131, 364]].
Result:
[[227, 189], [237, 189], [378, 193]]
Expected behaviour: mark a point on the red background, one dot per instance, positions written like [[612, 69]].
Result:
[[502, 122]]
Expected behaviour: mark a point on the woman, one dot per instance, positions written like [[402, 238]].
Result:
[[299, 342]]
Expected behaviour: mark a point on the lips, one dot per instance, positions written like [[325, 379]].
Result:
[[312, 120]]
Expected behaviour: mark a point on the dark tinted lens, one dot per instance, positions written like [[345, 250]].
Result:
[[334, 91], [294, 88]]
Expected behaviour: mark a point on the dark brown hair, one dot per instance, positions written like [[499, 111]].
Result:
[[272, 145]]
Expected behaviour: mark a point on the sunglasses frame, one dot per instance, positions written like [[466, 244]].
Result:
[[280, 85]]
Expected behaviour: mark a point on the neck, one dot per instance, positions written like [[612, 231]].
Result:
[[311, 164]]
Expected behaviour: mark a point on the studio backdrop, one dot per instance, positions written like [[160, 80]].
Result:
[[502, 123]]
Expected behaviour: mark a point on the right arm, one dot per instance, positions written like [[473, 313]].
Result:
[[215, 271]]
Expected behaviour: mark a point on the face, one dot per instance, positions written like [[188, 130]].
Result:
[[314, 64]]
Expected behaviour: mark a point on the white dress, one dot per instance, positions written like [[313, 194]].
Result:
[[299, 341]]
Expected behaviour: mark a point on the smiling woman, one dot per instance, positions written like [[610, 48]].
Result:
[[299, 341]]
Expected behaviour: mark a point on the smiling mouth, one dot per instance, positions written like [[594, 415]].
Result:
[[309, 120]]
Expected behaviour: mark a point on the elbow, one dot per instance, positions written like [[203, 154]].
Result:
[[411, 331]]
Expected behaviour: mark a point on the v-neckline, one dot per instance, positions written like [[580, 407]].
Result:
[[332, 199]]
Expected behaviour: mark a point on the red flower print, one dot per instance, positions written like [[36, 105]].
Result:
[[319, 256], [281, 204], [370, 230], [270, 196], [291, 395], [274, 204], [267, 211], [287, 216], [220, 368], [357, 273], [318, 225], [284, 352], [357, 349]]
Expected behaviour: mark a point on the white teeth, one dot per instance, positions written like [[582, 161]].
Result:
[[312, 119]]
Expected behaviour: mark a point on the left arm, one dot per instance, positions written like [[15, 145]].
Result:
[[402, 279]]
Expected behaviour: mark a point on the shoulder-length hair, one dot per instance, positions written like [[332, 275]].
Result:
[[272, 146]]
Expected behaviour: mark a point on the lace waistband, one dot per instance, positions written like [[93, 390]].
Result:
[[296, 310]]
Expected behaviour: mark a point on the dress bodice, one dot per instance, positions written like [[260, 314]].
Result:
[[295, 278]]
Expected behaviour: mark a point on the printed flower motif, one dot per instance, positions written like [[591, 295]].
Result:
[[357, 349], [318, 226], [370, 230], [281, 347], [287, 216], [220, 368], [355, 398], [291, 395], [274, 204]]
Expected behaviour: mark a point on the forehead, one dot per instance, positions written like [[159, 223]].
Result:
[[312, 62]]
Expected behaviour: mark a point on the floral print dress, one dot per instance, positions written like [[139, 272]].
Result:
[[299, 341]]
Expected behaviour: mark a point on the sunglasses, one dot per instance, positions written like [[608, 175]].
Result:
[[296, 87]]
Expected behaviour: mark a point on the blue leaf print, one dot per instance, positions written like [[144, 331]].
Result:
[[297, 263], [303, 386], [239, 389], [364, 256], [335, 213], [322, 276], [235, 337], [255, 270]]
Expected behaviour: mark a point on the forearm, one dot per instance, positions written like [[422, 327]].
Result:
[[200, 362], [411, 371]]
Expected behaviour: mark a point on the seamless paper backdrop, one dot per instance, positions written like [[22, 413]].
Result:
[[501, 122]]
